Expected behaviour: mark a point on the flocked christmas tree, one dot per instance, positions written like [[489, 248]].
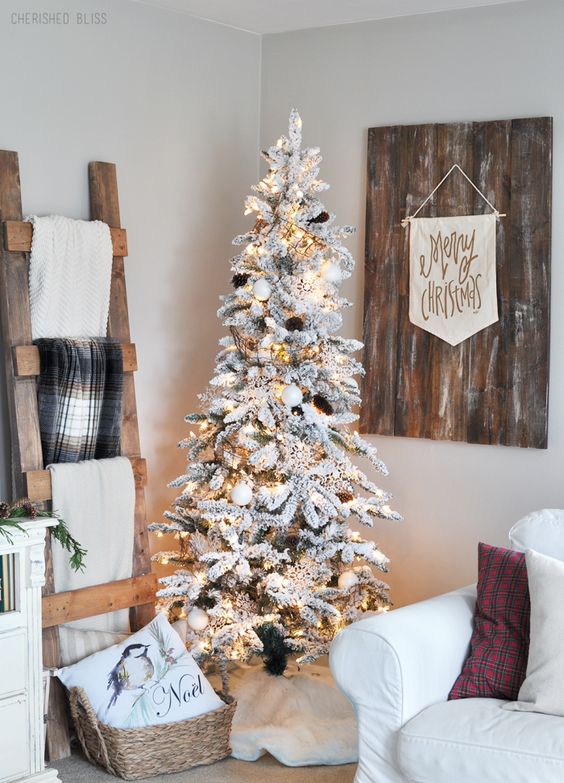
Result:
[[268, 564]]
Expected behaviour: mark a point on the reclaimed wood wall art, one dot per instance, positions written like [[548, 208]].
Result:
[[493, 387]]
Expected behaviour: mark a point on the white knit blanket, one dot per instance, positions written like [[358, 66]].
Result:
[[96, 498], [70, 272]]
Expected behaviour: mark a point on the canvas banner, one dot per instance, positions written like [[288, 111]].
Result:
[[452, 275]]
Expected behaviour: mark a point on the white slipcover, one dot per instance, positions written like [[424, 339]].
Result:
[[398, 668], [542, 531], [392, 666], [475, 740]]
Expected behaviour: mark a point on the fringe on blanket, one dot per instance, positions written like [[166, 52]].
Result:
[[80, 398]]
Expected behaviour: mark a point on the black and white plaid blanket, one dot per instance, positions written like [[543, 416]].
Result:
[[80, 398]]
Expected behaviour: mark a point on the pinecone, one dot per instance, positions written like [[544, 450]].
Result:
[[239, 279], [294, 324], [4, 510], [260, 223], [322, 404], [29, 509], [323, 217], [345, 496]]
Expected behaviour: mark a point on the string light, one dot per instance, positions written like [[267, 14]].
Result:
[[264, 552]]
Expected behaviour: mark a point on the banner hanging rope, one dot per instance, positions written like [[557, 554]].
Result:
[[405, 222]]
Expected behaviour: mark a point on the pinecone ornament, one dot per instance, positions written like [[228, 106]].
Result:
[[323, 217], [239, 279], [322, 404], [294, 324]]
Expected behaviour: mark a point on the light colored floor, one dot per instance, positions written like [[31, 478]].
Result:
[[266, 770]]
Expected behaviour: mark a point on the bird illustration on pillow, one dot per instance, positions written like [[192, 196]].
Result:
[[133, 670]]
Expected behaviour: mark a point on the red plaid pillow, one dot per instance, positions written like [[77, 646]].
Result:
[[497, 663]]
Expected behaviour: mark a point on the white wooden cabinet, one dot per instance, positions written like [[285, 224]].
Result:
[[21, 669]]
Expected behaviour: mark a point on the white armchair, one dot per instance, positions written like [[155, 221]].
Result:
[[397, 670], [392, 666]]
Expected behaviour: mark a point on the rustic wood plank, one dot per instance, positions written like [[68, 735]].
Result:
[[27, 364], [446, 411], [26, 451], [18, 234], [382, 268], [486, 368], [493, 388], [38, 482], [16, 328], [37, 485], [417, 176], [104, 205], [98, 599], [531, 214]]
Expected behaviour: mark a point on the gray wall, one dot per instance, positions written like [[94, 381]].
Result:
[[174, 102], [489, 63]]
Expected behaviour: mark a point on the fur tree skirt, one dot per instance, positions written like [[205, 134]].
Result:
[[301, 718]]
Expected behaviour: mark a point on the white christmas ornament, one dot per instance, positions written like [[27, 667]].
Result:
[[262, 290], [347, 580], [241, 494], [331, 272], [197, 619], [292, 395], [280, 354]]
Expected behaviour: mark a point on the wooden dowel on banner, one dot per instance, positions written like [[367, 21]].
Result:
[[406, 221]]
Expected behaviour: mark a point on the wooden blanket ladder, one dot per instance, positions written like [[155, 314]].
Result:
[[29, 478]]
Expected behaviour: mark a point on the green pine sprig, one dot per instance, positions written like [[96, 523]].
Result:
[[23, 509]]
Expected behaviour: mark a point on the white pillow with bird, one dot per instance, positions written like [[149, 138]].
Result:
[[148, 679]]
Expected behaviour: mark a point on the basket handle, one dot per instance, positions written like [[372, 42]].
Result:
[[79, 702]]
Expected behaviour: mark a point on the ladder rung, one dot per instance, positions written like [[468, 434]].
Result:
[[17, 238], [98, 599], [38, 482], [26, 359]]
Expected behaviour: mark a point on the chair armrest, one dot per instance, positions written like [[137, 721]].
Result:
[[393, 665]]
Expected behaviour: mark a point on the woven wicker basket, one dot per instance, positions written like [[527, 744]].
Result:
[[140, 753]]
